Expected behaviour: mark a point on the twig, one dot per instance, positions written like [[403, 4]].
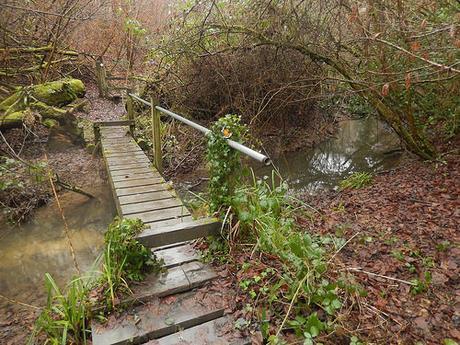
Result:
[[66, 227], [348, 241], [20, 303], [290, 305], [357, 269]]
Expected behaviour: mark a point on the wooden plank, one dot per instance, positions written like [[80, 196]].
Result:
[[149, 196], [114, 123], [198, 273], [169, 222], [130, 176], [178, 255], [129, 166], [137, 182], [142, 189], [159, 236], [163, 214], [123, 161], [149, 206], [121, 147], [212, 332], [117, 153], [135, 171], [157, 319]]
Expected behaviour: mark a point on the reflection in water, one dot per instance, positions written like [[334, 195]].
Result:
[[360, 145], [40, 246]]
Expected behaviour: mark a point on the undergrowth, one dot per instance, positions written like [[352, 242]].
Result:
[[297, 292], [68, 312]]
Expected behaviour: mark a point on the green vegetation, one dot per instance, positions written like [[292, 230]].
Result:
[[263, 214], [64, 320], [224, 161], [66, 316], [356, 180], [125, 259]]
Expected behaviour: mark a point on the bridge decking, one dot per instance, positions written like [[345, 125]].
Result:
[[188, 316]]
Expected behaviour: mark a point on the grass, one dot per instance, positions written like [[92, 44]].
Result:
[[356, 180], [67, 313]]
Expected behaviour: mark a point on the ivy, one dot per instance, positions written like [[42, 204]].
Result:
[[224, 162]]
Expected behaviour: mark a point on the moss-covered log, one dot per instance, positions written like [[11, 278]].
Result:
[[43, 99]]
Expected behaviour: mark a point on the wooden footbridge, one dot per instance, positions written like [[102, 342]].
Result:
[[173, 307]]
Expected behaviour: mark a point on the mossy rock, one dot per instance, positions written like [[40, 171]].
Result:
[[12, 120], [47, 111]]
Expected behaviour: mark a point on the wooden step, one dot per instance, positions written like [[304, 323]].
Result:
[[177, 255], [181, 278], [216, 332], [159, 318], [156, 236]]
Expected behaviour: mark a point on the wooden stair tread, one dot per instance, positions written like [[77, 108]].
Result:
[[159, 318], [214, 332], [159, 235]]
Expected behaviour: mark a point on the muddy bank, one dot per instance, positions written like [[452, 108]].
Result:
[[64, 150]]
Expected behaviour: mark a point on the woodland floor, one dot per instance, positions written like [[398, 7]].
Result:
[[402, 226]]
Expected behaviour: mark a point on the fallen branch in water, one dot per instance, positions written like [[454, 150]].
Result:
[[70, 187]]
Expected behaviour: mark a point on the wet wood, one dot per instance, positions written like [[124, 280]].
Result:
[[147, 206]]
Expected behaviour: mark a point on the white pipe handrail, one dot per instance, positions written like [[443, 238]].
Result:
[[233, 144]]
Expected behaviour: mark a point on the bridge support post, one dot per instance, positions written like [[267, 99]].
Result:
[[130, 109], [101, 76], [156, 136]]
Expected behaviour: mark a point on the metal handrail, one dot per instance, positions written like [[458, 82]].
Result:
[[233, 144]]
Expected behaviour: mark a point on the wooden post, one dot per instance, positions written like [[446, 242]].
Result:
[[130, 109], [97, 133], [156, 137], [101, 77]]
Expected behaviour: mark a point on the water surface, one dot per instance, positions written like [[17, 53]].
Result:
[[39, 246], [359, 145]]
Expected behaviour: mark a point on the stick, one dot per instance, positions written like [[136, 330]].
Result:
[[20, 303], [290, 305], [66, 227], [352, 237], [357, 269]]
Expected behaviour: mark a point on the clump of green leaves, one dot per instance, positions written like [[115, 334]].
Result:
[[224, 162], [125, 259], [9, 177], [356, 180]]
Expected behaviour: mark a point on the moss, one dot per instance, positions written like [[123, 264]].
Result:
[[59, 93], [8, 102], [47, 111], [12, 120], [50, 123]]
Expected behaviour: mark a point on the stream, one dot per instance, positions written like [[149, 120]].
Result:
[[39, 246], [360, 145]]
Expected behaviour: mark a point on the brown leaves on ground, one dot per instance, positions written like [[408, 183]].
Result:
[[408, 224]]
